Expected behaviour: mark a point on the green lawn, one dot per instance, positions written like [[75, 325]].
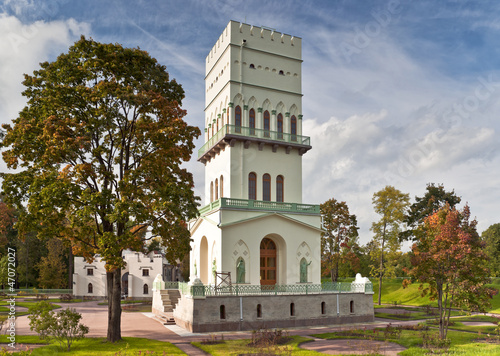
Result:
[[27, 304], [410, 314], [99, 347], [239, 347], [394, 293], [462, 343]]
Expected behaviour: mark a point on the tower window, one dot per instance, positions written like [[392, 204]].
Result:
[[252, 186], [216, 190], [237, 118], [266, 187], [251, 116], [145, 272], [145, 289], [323, 308], [259, 311], [211, 192], [221, 186], [293, 128], [281, 72], [252, 66], [279, 188], [292, 309], [90, 288], [280, 126], [90, 272], [267, 123], [351, 307]]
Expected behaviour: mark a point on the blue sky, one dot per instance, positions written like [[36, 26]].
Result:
[[395, 92]]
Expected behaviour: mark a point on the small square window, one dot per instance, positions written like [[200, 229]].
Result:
[[145, 272], [90, 272]]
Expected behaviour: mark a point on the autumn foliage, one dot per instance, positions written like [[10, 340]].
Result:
[[449, 262], [339, 235], [99, 150]]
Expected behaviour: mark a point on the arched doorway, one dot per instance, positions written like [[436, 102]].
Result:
[[267, 262]]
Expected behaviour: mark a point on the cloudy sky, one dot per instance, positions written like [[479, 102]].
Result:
[[397, 92]]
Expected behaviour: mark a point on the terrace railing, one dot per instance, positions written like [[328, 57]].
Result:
[[260, 134], [201, 291], [259, 205]]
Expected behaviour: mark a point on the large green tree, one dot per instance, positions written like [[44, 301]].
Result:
[[391, 204], [449, 262], [491, 238], [340, 232], [99, 148], [435, 198], [53, 269]]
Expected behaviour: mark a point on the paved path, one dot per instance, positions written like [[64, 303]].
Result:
[[135, 324]]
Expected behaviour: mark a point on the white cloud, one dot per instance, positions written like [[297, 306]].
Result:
[[22, 48]]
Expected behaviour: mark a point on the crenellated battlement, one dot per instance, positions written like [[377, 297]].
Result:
[[254, 37]]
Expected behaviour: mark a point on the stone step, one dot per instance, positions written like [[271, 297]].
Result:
[[165, 318]]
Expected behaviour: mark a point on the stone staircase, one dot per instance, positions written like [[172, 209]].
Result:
[[169, 298]]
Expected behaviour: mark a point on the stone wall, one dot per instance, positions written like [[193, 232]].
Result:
[[283, 311]]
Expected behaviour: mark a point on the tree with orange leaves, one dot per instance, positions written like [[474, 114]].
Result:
[[449, 261], [99, 147]]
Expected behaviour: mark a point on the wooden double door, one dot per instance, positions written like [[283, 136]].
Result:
[[268, 270]]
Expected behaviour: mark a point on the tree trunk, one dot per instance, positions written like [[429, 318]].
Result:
[[380, 289], [439, 287], [114, 307]]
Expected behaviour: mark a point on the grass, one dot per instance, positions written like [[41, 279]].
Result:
[[238, 347], [100, 347], [27, 304], [462, 343], [26, 339], [409, 314], [394, 293]]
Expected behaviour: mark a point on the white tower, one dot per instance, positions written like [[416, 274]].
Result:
[[254, 224]]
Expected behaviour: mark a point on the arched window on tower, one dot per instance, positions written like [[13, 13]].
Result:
[[221, 186], [90, 288], [267, 123], [280, 126], [211, 192], [293, 127], [216, 190], [251, 123], [145, 289], [266, 187], [237, 119], [280, 182], [252, 186]]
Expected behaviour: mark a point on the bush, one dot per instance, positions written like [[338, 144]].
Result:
[[66, 297], [63, 326]]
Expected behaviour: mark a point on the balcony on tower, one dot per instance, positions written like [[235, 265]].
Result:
[[229, 134]]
